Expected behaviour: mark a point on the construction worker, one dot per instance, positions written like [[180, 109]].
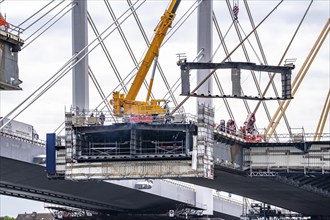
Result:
[[3, 22], [102, 118]]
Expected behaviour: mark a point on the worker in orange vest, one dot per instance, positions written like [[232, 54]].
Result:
[[3, 21]]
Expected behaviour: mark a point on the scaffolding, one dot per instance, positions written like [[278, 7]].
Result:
[[205, 122]]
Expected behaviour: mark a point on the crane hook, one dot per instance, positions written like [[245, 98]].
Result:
[[235, 10]]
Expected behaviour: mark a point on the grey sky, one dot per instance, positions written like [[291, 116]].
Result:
[[44, 57], [12, 206]]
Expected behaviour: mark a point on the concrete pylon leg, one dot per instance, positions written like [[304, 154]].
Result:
[[204, 43], [80, 88]]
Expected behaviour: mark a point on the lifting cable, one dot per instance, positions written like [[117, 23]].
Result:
[[281, 60], [72, 6], [213, 71], [64, 69], [148, 43]]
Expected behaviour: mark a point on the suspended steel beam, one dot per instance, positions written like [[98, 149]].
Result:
[[236, 67]]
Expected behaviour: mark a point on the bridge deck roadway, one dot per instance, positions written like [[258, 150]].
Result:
[[28, 180], [268, 190], [110, 196]]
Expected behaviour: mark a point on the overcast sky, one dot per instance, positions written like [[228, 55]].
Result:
[[45, 56]]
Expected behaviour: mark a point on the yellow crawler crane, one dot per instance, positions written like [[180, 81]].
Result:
[[127, 105]]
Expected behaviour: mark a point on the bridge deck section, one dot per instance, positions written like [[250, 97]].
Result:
[[269, 190]]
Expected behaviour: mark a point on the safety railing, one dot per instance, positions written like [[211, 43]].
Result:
[[98, 118], [23, 138]]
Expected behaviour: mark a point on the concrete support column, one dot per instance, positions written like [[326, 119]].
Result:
[[204, 43], [204, 199], [80, 88]]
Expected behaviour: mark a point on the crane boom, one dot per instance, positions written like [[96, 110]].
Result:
[[153, 51], [125, 105]]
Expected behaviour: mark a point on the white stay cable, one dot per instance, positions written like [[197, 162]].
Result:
[[177, 83], [24, 29], [49, 25], [65, 68], [19, 26], [175, 28], [171, 30]]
